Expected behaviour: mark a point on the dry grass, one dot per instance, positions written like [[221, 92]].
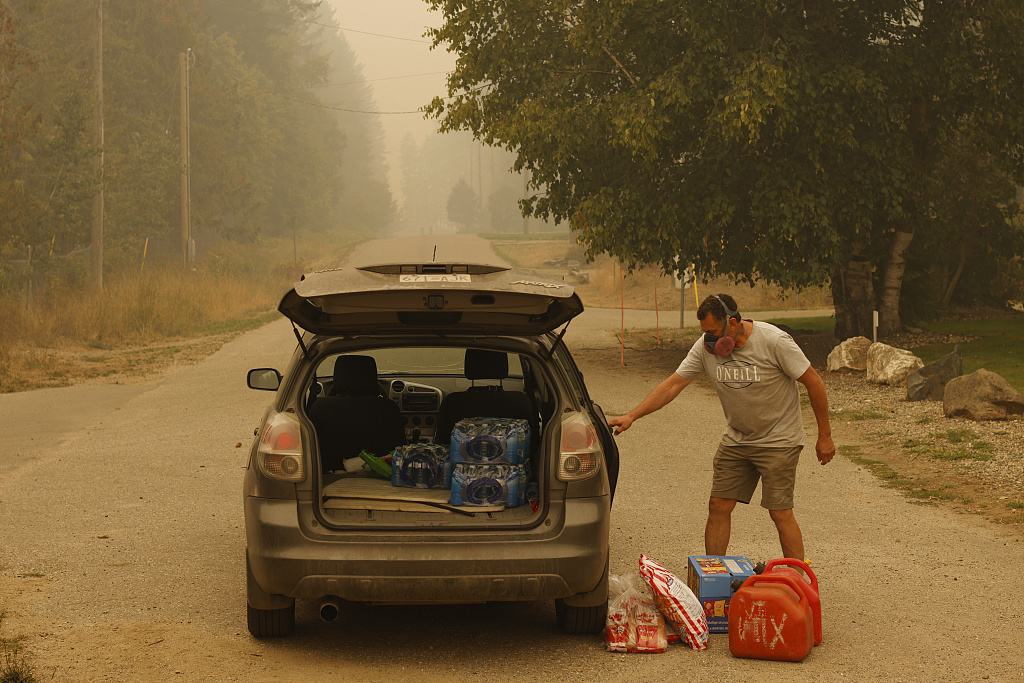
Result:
[[647, 288], [135, 309], [74, 334], [640, 289]]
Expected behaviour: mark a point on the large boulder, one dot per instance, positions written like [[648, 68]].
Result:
[[851, 354], [981, 395], [929, 383], [890, 365]]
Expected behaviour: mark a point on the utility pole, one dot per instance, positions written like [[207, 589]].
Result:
[[186, 218], [96, 246], [480, 184]]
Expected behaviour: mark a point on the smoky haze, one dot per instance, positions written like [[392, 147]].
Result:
[[402, 70], [441, 183]]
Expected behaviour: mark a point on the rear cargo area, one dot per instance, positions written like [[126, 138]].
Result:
[[365, 500], [430, 435]]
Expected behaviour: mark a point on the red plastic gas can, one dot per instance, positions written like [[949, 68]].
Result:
[[770, 618], [786, 566]]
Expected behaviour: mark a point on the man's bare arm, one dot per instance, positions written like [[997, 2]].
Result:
[[824, 447], [659, 398]]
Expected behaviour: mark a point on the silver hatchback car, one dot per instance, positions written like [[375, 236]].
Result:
[[405, 361]]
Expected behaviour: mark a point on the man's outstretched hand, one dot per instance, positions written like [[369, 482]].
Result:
[[620, 423]]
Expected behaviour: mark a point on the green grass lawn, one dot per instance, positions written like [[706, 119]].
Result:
[[822, 324], [999, 347]]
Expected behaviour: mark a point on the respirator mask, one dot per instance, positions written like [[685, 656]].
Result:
[[723, 346]]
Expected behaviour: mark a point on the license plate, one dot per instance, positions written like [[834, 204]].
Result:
[[435, 277]]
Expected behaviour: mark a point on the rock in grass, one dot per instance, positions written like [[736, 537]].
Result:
[[981, 395], [850, 354], [929, 383], [890, 365]]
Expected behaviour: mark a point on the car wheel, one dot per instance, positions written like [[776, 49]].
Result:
[[271, 623], [578, 620], [267, 623]]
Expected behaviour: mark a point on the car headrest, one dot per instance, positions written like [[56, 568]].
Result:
[[482, 364], [355, 376]]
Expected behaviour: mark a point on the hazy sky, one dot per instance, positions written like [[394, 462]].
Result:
[[400, 62]]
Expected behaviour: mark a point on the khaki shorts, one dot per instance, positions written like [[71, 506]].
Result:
[[737, 470]]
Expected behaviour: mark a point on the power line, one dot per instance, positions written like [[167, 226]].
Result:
[[318, 23], [296, 99], [372, 80]]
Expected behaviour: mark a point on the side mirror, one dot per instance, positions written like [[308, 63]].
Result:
[[265, 379]]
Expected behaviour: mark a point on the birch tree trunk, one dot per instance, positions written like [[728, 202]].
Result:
[[892, 281]]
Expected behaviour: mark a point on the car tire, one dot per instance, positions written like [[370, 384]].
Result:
[[271, 623], [267, 623], [580, 620]]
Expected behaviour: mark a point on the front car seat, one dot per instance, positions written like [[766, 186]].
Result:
[[354, 416]]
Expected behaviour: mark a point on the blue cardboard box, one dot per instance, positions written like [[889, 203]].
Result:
[[710, 578]]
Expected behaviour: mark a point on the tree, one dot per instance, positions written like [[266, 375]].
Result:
[[48, 157], [269, 150], [794, 144], [503, 205], [429, 173], [972, 243], [16, 125], [464, 207]]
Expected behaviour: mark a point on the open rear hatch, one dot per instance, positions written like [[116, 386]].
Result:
[[432, 298]]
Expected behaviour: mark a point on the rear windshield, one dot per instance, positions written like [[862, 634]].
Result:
[[418, 360]]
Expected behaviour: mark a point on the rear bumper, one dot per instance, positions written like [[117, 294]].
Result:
[[456, 567]]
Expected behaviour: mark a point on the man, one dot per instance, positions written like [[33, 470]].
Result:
[[754, 367]]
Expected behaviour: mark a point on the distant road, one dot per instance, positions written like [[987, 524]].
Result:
[[595, 328], [425, 249]]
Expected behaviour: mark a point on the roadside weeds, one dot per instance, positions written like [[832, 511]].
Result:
[[14, 664]]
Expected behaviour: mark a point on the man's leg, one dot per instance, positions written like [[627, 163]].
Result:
[[789, 533], [716, 532]]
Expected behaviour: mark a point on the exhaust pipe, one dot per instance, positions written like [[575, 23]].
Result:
[[329, 610]]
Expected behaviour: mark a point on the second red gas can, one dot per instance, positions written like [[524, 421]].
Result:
[[789, 565], [770, 618]]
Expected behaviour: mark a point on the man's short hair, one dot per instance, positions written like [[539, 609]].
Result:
[[713, 305]]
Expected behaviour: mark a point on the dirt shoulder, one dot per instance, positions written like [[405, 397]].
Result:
[[972, 467]]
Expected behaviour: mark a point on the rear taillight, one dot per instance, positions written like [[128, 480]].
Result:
[[580, 455], [280, 451]]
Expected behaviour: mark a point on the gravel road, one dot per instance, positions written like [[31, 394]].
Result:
[[121, 556]]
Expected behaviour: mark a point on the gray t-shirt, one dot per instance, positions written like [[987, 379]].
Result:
[[757, 387]]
